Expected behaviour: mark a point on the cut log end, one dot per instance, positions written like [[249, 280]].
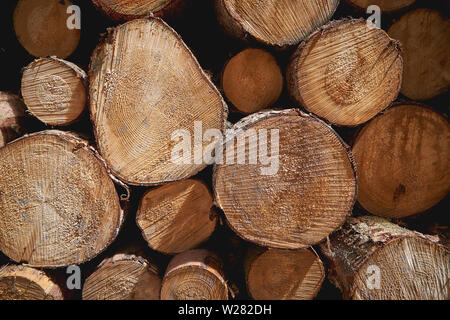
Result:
[[284, 274], [54, 90], [176, 217], [12, 116], [402, 161], [121, 10], [25, 283], [299, 195], [194, 275], [373, 259], [59, 206], [262, 20], [138, 130], [252, 80], [123, 277], [42, 28], [385, 5], [346, 72], [426, 69]]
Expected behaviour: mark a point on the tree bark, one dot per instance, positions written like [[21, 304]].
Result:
[[12, 116], [54, 90], [273, 274], [299, 195], [177, 216], [59, 205], [426, 70], [374, 259], [402, 161], [194, 275], [41, 28], [138, 129], [279, 23], [346, 72], [19, 282], [252, 80], [123, 277]]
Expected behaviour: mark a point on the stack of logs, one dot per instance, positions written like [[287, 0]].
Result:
[[64, 196]]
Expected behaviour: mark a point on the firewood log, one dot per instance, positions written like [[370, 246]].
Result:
[[54, 90], [194, 275], [372, 259], [297, 195], [19, 282], [123, 277], [402, 160], [273, 274], [177, 216], [121, 10], [346, 72], [12, 116], [426, 71], [277, 23], [42, 28], [59, 205], [252, 80], [386, 6], [145, 86]]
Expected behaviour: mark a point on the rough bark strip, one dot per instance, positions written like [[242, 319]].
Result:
[[411, 266]]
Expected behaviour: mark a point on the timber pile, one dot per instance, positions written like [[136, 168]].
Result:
[[297, 158]]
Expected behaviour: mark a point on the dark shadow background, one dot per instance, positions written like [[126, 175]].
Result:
[[199, 29]]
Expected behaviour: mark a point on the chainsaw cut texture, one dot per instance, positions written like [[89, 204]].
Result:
[[120, 10], [58, 205], [194, 275], [346, 73], [177, 216], [274, 274], [373, 259], [54, 90], [385, 5], [123, 277], [274, 22], [19, 282], [145, 85], [298, 205]]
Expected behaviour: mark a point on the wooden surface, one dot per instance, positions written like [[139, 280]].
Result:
[[346, 73], [194, 275], [177, 216], [54, 90], [123, 277], [402, 160], [41, 27], [252, 80], [426, 44], [309, 196], [274, 22], [134, 125], [273, 274], [59, 206], [409, 264], [24, 283]]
